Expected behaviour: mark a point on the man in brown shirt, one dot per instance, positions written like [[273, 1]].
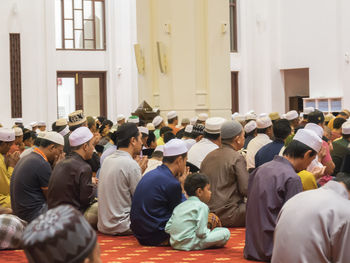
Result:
[[228, 176]]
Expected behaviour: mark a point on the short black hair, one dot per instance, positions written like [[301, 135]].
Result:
[[157, 154], [281, 129], [74, 127], [29, 134], [338, 122], [344, 178], [171, 121], [195, 181], [113, 136], [346, 136], [168, 136], [249, 133], [316, 117], [296, 149], [262, 130], [151, 138], [164, 129], [104, 124], [171, 159], [211, 136], [125, 143]]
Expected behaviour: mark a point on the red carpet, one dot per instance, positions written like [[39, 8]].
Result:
[[127, 250]]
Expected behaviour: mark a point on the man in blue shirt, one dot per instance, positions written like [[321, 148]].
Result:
[[157, 194], [281, 130]]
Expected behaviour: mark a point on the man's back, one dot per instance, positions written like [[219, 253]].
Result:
[[71, 183], [270, 186], [228, 177], [313, 226], [199, 151], [254, 146], [31, 174], [268, 152], [118, 179], [155, 198]]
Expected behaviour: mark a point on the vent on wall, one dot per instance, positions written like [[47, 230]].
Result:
[[15, 71]]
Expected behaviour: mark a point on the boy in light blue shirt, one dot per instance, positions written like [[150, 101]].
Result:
[[187, 226]]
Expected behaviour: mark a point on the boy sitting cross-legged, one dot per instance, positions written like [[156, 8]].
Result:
[[188, 224]]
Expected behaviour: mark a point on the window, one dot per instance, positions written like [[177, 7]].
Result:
[[80, 24], [233, 25], [234, 91], [15, 72]]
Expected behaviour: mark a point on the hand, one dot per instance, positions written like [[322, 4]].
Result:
[[58, 158], [142, 162], [318, 171], [94, 180], [321, 153], [12, 159], [183, 177], [97, 137]]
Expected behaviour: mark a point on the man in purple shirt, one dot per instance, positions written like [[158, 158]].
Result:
[[270, 186]]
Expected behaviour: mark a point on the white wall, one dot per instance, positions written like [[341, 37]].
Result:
[[35, 21]]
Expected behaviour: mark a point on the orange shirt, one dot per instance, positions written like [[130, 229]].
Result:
[[175, 130]]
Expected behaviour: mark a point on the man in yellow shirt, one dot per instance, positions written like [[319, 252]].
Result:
[[7, 163]]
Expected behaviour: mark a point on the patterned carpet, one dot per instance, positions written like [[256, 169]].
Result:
[[128, 250]]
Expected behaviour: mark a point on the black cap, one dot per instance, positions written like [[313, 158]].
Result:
[[316, 117]]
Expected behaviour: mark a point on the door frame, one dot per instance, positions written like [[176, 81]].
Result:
[[78, 76]]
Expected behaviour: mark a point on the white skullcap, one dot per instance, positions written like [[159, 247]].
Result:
[[120, 117], [213, 125], [233, 116], [80, 136], [61, 122], [263, 122], [33, 124], [175, 147], [143, 130], [250, 112], [18, 120], [171, 115], [239, 118], [309, 138], [308, 110], [65, 131], [316, 128], [345, 128], [159, 148], [283, 116], [53, 137], [250, 116], [157, 120], [7, 135], [301, 114], [18, 131], [193, 120], [41, 134], [189, 128], [202, 117], [264, 114], [291, 115], [150, 126], [250, 126], [41, 123]]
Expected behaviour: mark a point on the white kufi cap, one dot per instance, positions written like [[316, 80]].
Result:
[[120, 117], [263, 122], [291, 115], [157, 120], [7, 135], [171, 115], [345, 128], [213, 125], [18, 131], [189, 128], [80, 136], [175, 147], [308, 110], [143, 130], [203, 117], [250, 126], [309, 138], [316, 128], [53, 137]]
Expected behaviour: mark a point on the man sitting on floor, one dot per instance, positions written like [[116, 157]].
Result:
[[270, 186], [320, 232], [157, 194], [30, 179], [228, 176], [119, 176], [187, 226], [61, 235], [71, 181]]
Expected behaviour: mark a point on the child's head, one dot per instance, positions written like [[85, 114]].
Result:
[[197, 184]]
